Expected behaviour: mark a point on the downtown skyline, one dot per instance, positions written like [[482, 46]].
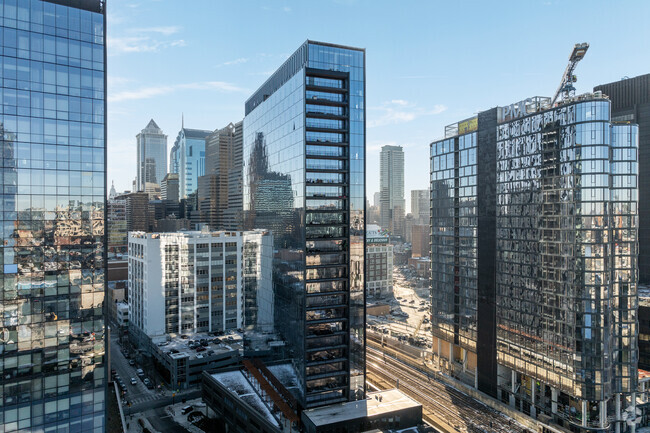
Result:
[[166, 63]]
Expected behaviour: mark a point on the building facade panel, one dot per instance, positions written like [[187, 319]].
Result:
[[53, 177]]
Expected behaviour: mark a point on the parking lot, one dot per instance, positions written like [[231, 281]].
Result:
[[410, 312]]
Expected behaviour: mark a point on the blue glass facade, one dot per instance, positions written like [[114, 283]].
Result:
[[187, 158], [304, 179], [52, 127]]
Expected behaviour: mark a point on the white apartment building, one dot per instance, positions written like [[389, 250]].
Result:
[[379, 262], [191, 282]]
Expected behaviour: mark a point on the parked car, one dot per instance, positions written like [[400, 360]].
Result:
[[186, 409], [134, 381], [131, 362]]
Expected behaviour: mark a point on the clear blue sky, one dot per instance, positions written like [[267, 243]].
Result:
[[429, 63]]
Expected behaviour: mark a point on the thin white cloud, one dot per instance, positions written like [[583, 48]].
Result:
[[140, 44], [399, 111], [145, 40], [163, 30], [286, 9], [153, 91], [238, 61]]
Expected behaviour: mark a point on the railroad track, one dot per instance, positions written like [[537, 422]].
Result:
[[441, 403]]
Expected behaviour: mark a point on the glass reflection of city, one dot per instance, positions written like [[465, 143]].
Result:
[[304, 179], [53, 186], [565, 205]]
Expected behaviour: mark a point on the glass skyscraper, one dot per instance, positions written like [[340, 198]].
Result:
[[52, 127], [187, 158], [534, 268], [151, 156], [304, 179]]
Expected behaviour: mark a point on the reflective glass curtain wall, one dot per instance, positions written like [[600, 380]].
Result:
[[304, 179], [52, 127]]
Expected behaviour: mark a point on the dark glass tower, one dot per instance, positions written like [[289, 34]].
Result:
[[631, 103], [534, 277], [304, 179], [52, 127]]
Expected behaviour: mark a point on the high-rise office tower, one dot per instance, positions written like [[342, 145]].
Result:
[[391, 189], [534, 216], [169, 187], [52, 128], [152, 156], [304, 179], [420, 202], [187, 158], [219, 193], [631, 103]]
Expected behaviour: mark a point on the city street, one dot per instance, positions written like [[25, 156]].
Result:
[[135, 394]]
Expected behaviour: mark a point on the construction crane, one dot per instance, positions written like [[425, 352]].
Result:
[[566, 88]]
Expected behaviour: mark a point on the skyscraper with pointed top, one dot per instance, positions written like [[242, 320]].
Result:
[[152, 155]]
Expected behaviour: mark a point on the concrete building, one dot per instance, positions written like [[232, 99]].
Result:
[[138, 217], [391, 189], [117, 228], [379, 257], [122, 315], [250, 400], [420, 240], [151, 147], [191, 282], [219, 193], [304, 147], [534, 217], [181, 361], [420, 202], [169, 187]]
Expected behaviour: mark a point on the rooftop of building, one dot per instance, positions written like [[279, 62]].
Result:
[[236, 382], [195, 133], [294, 63], [239, 383], [375, 404], [89, 5], [528, 106], [193, 234], [200, 345]]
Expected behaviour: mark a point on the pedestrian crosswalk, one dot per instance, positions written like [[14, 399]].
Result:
[[143, 398]]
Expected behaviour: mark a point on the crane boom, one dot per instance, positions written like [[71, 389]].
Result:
[[566, 85]]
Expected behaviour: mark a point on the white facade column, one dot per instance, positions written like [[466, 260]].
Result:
[[602, 416], [553, 400], [476, 377], [618, 412], [464, 353], [513, 381], [533, 409], [584, 413]]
